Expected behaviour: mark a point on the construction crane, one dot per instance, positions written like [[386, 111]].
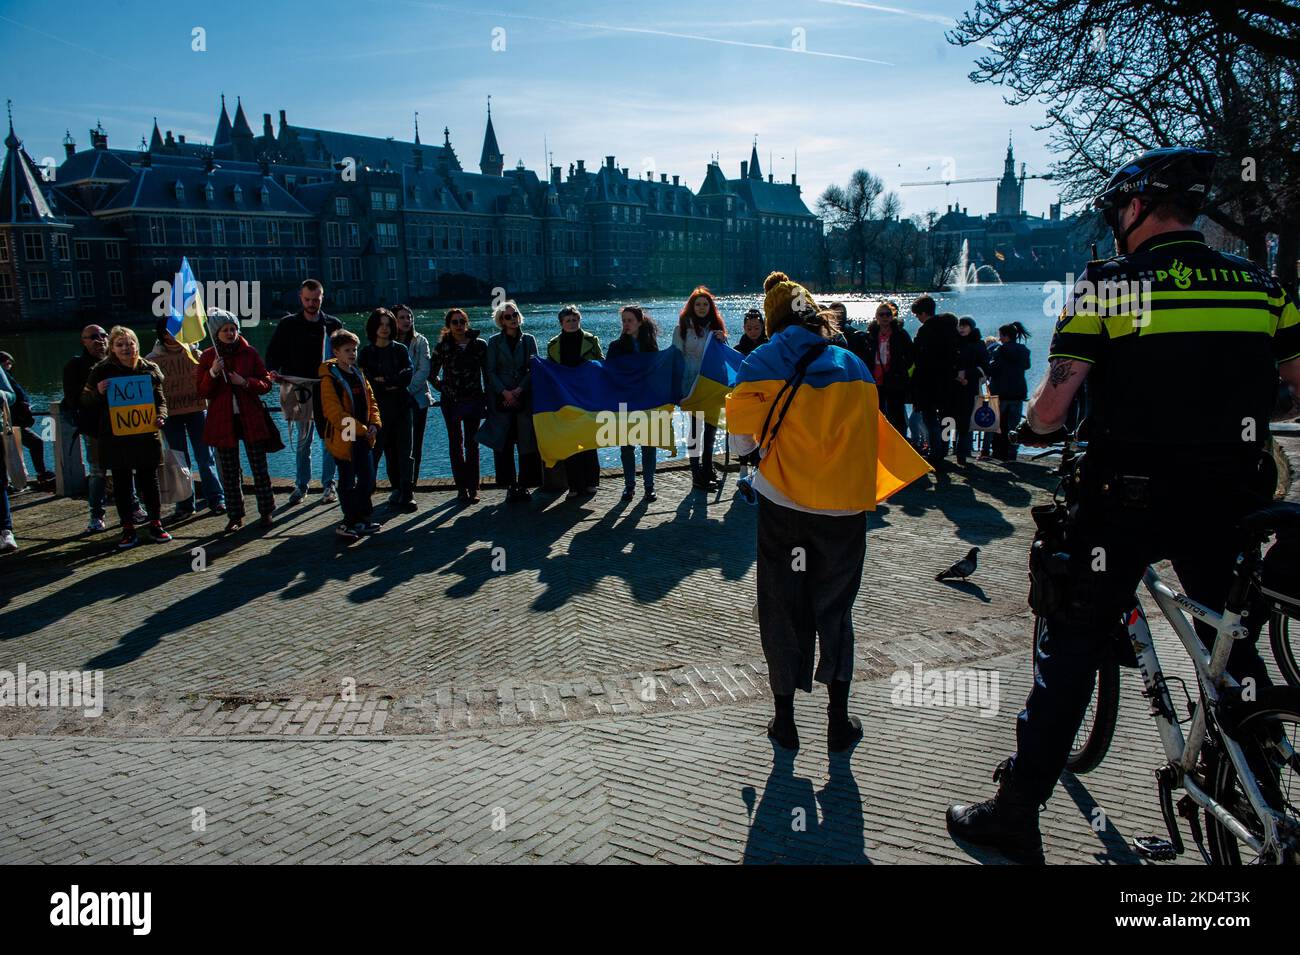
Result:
[[952, 182]]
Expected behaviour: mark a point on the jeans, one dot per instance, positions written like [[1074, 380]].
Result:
[[175, 430], [301, 437], [36, 448], [419, 418], [648, 456], [934, 428], [1009, 414], [126, 482], [462, 444], [6, 516], [394, 445], [699, 449], [530, 462], [357, 483], [894, 409], [916, 431]]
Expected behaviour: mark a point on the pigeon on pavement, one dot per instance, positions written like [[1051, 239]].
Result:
[[963, 568]]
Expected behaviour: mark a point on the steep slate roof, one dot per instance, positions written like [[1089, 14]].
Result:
[[21, 180], [326, 144], [154, 187], [771, 198]]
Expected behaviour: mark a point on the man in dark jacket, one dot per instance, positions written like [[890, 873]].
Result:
[[935, 378], [94, 349], [298, 346]]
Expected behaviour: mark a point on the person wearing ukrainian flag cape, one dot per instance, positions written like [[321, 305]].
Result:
[[826, 457]]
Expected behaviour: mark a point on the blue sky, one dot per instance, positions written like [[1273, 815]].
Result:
[[658, 85]]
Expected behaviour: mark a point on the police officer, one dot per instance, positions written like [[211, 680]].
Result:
[[1181, 347]]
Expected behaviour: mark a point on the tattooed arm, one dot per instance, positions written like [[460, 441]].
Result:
[[1051, 401]]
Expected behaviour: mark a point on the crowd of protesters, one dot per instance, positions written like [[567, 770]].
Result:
[[369, 403]]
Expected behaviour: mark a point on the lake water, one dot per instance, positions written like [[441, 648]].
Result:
[[41, 355]]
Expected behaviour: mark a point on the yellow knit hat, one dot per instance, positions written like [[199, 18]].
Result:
[[786, 299]]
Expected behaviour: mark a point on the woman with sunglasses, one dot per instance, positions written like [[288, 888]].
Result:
[[510, 419], [889, 359], [572, 347], [460, 356]]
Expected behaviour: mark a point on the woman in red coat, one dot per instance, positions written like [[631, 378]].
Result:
[[232, 377]]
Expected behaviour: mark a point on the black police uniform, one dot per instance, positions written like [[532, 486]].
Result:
[[1183, 378]]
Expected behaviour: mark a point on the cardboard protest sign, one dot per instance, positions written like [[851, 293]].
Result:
[[130, 405]]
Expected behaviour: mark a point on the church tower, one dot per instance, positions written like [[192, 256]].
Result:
[[491, 162], [1009, 197]]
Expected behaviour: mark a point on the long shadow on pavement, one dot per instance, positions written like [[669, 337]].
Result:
[[787, 827]]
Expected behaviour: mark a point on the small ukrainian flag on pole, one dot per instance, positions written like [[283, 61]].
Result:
[[187, 319]]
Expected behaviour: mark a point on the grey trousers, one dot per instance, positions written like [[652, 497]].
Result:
[[809, 571]]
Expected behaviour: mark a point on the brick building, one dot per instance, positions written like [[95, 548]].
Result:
[[376, 219]]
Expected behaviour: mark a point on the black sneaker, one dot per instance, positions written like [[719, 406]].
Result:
[[159, 533], [1008, 822], [369, 527], [787, 737], [347, 533], [129, 539]]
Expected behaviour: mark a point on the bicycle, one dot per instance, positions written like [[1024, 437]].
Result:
[[1238, 761]]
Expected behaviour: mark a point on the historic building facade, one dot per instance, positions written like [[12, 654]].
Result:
[[376, 219]]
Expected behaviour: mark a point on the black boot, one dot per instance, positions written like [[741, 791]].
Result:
[[842, 730], [1008, 822], [781, 727]]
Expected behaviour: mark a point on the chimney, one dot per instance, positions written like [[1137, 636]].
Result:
[[267, 131], [663, 177], [181, 139], [769, 177], [169, 140], [744, 169], [609, 162], [98, 139], [675, 178], [555, 175], [624, 171], [794, 179], [582, 166], [69, 146], [283, 122]]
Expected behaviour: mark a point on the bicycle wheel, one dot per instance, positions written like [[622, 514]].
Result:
[[1283, 634], [1268, 733], [1092, 740]]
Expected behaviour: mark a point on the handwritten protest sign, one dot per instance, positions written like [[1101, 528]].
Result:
[[130, 405]]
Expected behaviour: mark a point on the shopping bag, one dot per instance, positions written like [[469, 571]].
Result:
[[175, 482], [986, 416], [15, 466]]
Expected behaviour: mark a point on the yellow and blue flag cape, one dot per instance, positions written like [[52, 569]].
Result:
[[719, 368], [627, 399], [187, 319], [834, 450]]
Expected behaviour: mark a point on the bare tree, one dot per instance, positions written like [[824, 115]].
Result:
[[856, 209], [1120, 76]]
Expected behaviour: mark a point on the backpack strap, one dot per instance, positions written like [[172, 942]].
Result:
[[791, 386]]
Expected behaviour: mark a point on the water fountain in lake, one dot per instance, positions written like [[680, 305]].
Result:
[[966, 273]]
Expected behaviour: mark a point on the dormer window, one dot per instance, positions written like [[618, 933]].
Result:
[[179, 189], [266, 194], [238, 193], [207, 191], [24, 208]]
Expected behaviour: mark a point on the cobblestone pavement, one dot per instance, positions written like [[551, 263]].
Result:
[[600, 697]]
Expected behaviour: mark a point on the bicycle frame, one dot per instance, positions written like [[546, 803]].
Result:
[[1214, 680]]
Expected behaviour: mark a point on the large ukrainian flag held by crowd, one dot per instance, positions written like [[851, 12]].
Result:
[[834, 450], [719, 368], [578, 408], [187, 320]]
